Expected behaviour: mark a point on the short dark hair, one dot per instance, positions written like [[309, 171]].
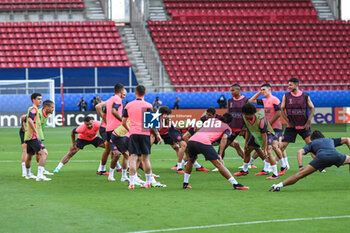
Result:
[[48, 103], [165, 110], [211, 110], [249, 109], [294, 80], [236, 85], [141, 90], [227, 118], [316, 134], [87, 119], [118, 88], [266, 85], [34, 95]]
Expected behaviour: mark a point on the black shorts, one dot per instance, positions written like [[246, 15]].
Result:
[[175, 134], [119, 143], [251, 141], [324, 160], [21, 135], [103, 133], [81, 143], [195, 148], [109, 135], [191, 130], [167, 139], [139, 144], [290, 134], [34, 146], [278, 134]]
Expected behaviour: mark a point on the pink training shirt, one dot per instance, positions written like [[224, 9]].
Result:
[[208, 135], [134, 112], [112, 122], [88, 134], [270, 111]]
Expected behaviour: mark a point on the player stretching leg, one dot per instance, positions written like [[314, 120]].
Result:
[[259, 134], [87, 134], [326, 156], [201, 143]]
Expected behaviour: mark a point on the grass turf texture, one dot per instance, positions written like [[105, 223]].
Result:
[[77, 200]]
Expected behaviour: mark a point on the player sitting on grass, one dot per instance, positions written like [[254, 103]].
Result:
[[326, 156], [87, 135], [201, 143], [259, 135]]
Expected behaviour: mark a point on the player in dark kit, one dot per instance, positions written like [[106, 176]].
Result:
[[298, 110], [201, 143], [326, 156]]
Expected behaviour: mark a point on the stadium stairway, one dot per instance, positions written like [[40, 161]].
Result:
[[93, 10], [156, 10], [134, 53], [323, 10]]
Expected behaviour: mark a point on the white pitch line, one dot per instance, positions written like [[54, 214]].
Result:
[[242, 223]]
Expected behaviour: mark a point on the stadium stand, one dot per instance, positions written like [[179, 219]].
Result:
[[61, 44], [41, 4], [195, 9], [219, 48]]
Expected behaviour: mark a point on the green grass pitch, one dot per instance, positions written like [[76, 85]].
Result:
[[77, 200]]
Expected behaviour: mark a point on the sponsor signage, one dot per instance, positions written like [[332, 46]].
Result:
[[338, 115]]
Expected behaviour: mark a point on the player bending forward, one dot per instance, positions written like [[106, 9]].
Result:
[[201, 143], [326, 156], [87, 135]]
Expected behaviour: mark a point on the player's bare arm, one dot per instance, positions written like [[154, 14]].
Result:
[[345, 141], [116, 114], [32, 127], [23, 124], [276, 117], [124, 123], [283, 111], [264, 138], [300, 154], [222, 145], [312, 112], [99, 110], [72, 136], [255, 97]]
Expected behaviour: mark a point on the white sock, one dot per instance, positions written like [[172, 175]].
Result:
[[111, 173], [29, 171], [100, 167], [266, 166], [251, 161], [103, 168], [24, 169], [131, 180], [232, 180], [183, 162], [280, 185], [197, 165], [179, 166], [283, 163], [245, 167], [118, 166], [286, 161], [40, 171], [124, 173], [148, 178], [153, 180], [60, 165], [186, 177], [274, 170]]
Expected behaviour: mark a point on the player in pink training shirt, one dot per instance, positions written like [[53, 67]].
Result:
[[201, 143], [139, 142], [272, 110], [87, 135], [113, 118]]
